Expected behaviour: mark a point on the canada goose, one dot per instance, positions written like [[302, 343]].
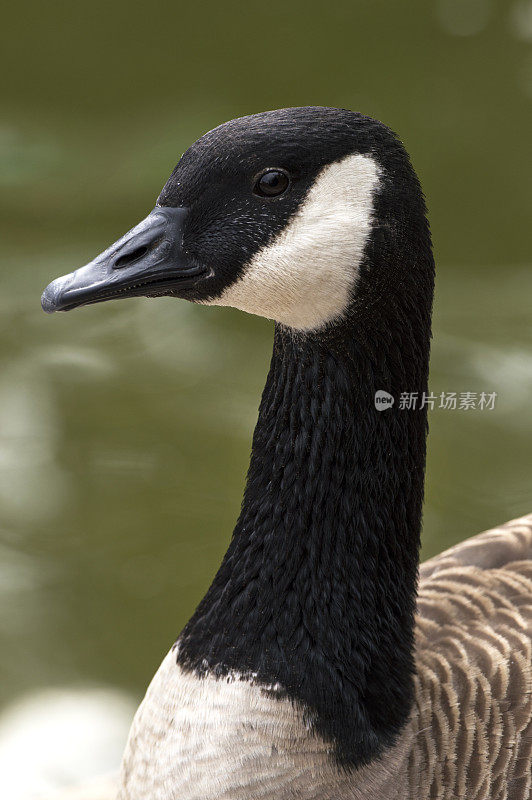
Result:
[[304, 672]]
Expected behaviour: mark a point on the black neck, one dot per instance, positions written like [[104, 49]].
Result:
[[317, 589]]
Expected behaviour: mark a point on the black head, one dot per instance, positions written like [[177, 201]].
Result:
[[275, 214]]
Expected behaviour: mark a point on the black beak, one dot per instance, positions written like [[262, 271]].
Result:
[[149, 260]]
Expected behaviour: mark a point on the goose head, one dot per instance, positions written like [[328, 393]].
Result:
[[273, 214]]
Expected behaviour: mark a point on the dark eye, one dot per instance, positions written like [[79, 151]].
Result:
[[272, 183]]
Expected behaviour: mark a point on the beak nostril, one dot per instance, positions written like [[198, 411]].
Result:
[[148, 260], [134, 255]]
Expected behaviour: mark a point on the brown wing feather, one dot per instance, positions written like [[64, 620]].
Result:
[[498, 547], [474, 657]]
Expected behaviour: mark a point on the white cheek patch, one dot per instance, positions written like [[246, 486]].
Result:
[[304, 278]]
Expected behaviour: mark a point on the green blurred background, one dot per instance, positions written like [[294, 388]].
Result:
[[125, 428]]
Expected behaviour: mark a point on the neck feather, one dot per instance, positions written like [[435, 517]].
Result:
[[316, 592]]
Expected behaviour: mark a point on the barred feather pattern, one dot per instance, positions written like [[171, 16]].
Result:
[[473, 712], [469, 735]]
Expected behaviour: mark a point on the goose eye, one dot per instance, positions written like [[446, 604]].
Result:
[[272, 183]]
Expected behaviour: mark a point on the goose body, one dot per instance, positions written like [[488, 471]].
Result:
[[470, 730], [315, 667]]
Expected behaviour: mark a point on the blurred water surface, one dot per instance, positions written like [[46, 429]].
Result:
[[125, 429]]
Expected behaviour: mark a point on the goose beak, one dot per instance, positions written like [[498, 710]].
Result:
[[149, 260]]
